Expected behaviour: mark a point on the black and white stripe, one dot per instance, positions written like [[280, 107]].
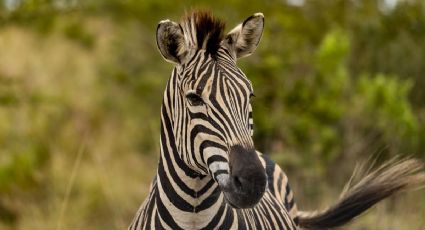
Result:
[[209, 174], [184, 195]]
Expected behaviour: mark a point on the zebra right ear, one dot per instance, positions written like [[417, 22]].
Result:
[[244, 38], [170, 41]]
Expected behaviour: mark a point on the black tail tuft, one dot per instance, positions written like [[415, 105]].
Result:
[[395, 176]]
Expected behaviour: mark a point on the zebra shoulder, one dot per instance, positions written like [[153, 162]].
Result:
[[278, 185]]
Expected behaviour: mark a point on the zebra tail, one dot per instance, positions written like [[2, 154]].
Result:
[[395, 176]]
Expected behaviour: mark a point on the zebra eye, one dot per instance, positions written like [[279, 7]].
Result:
[[194, 99]]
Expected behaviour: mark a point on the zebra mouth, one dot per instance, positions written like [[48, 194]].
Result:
[[246, 182], [230, 203], [227, 193], [242, 194]]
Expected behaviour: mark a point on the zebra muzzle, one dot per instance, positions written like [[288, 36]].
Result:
[[247, 181]]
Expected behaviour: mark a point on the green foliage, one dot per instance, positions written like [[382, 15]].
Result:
[[75, 31], [23, 148], [384, 100], [327, 106]]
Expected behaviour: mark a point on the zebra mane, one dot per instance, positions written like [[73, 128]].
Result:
[[202, 31]]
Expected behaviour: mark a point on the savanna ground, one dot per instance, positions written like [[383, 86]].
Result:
[[81, 82]]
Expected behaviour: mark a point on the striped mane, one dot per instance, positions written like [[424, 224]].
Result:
[[202, 31]]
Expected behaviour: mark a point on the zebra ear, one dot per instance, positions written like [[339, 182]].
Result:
[[170, 41], [244, 38]]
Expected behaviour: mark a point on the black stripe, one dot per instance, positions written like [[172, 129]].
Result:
[[206, 144], [165, 215], [215, 220], [175, 177], [169, 191], [228, 219], [205, 188], [209, 201], [166, 127]]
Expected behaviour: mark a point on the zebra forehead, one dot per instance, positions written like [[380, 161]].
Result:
[[233, 79], [203, 31]]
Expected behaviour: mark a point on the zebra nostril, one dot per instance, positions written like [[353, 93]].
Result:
[[237, 182]]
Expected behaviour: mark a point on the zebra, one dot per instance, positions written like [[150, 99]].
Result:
[[210, 176]]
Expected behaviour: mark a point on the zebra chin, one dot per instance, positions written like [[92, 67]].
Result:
[[243, 198], [246, 183]]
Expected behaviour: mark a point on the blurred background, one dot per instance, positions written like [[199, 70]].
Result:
[[81, 85]]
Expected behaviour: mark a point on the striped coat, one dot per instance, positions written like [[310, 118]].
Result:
[[210, 176]]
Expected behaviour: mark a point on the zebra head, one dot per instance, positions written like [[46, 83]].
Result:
[[208, 102]]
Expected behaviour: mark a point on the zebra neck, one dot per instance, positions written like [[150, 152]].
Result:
[[182, 194]]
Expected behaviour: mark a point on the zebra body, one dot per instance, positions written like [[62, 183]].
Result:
[[270, 213], [210, 175]]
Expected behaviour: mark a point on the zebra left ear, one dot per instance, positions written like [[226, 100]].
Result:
[[244, 38], [170, 41]]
